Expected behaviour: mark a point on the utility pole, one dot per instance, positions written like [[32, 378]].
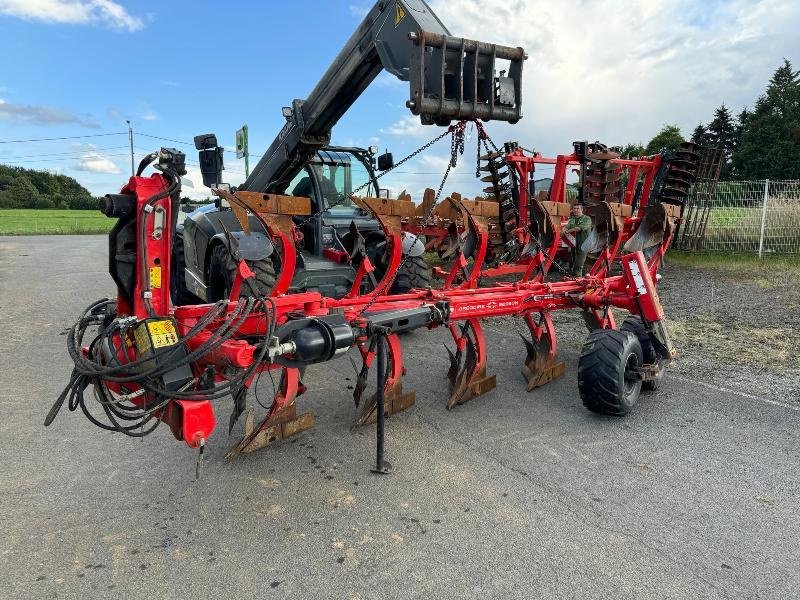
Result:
[[130, 138]]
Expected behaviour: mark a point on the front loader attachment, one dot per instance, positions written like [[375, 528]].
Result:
[[456, 78]]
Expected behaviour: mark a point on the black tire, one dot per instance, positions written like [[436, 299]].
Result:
[[181, 295], [413, 273], [606, 381], [222, 272], [635, 325]]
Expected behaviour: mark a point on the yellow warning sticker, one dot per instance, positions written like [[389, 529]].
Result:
[[399, 14], [155, 278], [162, 333]]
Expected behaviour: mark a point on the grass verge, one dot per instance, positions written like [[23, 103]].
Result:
[[24, 221], [736, 262]]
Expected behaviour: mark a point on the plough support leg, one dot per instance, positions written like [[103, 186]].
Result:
[[395, 400]]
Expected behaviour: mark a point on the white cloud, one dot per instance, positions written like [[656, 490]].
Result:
[[599, 70], [44, 115], [427, 170], [150, 116], [198, 191], [387, 80], [94, 162], [435, 163], [358, 10], [73, 12], [616, 73], [407, 126]]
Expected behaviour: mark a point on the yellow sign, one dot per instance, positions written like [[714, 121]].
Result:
[[155, 278], [399, 14], [162, 333]]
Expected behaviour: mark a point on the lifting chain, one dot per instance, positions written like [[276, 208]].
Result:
[[456, 149], [416, 152], [457, 130]]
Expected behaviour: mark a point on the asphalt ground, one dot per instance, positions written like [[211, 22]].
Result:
[[513, 495]]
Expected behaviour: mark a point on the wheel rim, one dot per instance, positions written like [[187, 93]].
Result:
[[631, 373]]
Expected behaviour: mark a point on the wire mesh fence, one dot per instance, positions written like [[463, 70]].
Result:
[[762, 217]]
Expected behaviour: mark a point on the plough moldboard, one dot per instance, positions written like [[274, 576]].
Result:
[[152, 362]]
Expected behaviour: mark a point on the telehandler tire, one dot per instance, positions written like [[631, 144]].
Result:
[[413, 273], [178, 290], [222, 272]]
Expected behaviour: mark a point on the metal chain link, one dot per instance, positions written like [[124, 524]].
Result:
[[478, 157], [554, 262], [456, 149], [422, 148]]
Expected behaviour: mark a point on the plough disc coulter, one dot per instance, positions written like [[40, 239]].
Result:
[[152, 362]]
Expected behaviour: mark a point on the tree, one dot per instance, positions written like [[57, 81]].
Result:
[[669, 138], [741, 119], [722, 131], [632, 151], [700, 135], [722, 135], [28, 188], [20, 193], [770, 136]]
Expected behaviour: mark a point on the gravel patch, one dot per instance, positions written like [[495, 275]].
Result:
[[734, 329]]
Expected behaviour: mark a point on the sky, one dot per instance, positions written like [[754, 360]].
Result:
[[597, 70]]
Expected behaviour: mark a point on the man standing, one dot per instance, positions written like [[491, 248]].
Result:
[[579, 226]]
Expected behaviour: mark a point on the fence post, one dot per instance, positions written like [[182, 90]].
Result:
[[763, 219]]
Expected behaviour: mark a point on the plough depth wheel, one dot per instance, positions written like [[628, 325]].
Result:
[[609, 378]]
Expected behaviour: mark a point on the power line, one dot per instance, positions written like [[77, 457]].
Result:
[[156, 137], [36, 160], [84, 151], [70, 137], [190, 162]]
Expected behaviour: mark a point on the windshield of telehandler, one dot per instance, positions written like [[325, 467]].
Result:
[[338, 175]]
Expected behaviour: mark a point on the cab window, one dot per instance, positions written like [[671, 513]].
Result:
[[301, 186]]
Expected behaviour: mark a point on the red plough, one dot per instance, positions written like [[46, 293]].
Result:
[[151, 362]]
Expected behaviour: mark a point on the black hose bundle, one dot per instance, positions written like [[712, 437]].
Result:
[[110, 363]]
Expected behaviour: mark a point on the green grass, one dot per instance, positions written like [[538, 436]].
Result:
[[733, 217], [25, 221]]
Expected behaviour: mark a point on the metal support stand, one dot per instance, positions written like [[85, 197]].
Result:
[[382, 466]]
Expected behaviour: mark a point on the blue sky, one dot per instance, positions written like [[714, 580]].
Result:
[[176, 69]]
